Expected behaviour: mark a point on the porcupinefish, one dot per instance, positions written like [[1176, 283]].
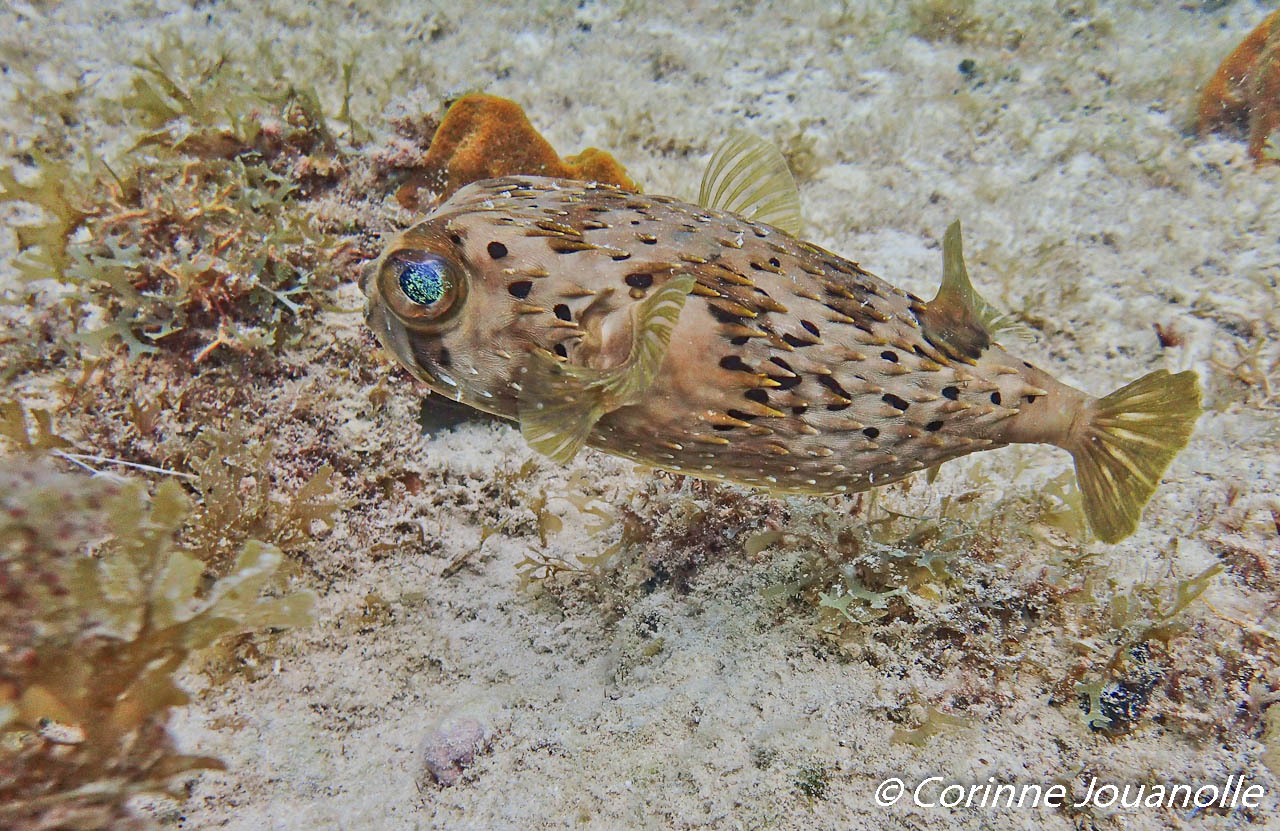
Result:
[[710, 340]]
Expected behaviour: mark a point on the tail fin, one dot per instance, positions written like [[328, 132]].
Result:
[[1132, 436]]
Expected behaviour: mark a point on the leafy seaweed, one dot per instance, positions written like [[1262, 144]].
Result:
[[1143, 613], [14, 426], [935, 722], [238, 499], [102, 607]]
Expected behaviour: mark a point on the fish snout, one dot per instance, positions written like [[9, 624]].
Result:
[[367, 273]]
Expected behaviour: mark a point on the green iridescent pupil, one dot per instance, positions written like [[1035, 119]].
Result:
[[423, 283]]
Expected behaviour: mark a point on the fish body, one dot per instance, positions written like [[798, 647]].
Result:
[[704, 342]]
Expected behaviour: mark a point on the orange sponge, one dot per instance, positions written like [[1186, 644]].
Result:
[[483, 136], [1246, 88]]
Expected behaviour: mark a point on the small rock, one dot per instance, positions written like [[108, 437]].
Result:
[[450, 746]]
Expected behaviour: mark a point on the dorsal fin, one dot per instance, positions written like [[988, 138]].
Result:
[[957, 320], [749, 177]]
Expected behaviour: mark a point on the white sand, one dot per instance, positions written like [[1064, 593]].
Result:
[[1087, 206]]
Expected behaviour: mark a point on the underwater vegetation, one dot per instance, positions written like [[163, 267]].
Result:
[[102, 604], [1245, 91], [484, 137], [211, 229], [890, 581], [201, 234]]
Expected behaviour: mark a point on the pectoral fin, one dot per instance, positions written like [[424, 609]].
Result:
[[560, 403]]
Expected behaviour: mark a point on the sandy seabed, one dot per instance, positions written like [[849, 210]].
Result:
[[1058, 132]]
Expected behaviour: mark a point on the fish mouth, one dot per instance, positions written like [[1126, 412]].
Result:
[[395, 339]]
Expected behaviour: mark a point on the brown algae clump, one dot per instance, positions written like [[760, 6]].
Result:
[[204, 233], [102, 607], [483, 137]]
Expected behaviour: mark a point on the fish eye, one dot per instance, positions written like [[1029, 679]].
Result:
[[423, 283], [420, 287]]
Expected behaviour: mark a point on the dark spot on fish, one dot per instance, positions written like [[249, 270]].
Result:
[[871, 432], [1031, 399], [890, 356], [787, 382], [813, 330], [951, 392], [521, 289], [1027, 365], [722, 427], [739, 415], [890, 398], [800, 409], [794, 341], [619, 257], [455, 239], [741, 340], [444, 358], [497, 250], [562, 312], [757, 395], [933, 426], [995, 398], [773, 261], [561, 351], [635, 222], [920, 352], [734, 363], [639, 280], [756, 266], [834, 385]]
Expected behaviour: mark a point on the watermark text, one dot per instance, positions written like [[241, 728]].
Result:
[[936, 792]]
